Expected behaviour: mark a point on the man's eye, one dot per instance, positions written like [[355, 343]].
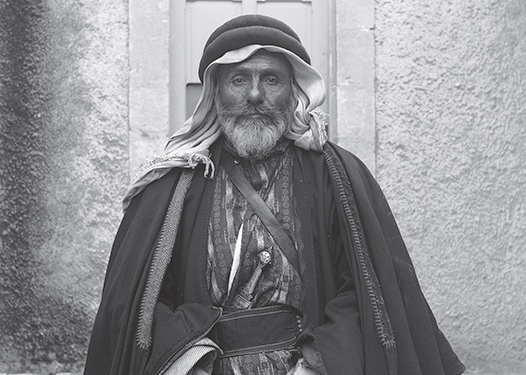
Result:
[[238, 81], [271, 81]]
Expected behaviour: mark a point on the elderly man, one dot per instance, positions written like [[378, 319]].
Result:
[[254, 246]]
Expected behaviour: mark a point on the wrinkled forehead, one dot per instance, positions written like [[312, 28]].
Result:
[[260, 62]]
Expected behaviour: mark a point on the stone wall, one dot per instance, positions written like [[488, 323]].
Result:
[[451, 158], [63, 168]]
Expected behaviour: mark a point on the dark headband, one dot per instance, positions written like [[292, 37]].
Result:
[[250, 29]]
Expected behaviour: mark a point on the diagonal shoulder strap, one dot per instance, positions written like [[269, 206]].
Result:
[[261, 209]]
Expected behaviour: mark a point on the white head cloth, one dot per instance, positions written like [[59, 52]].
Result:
[[190, 145]]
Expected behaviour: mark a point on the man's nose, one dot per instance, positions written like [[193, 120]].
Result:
[[255, 94]]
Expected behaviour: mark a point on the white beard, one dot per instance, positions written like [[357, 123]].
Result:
[[254, 132]]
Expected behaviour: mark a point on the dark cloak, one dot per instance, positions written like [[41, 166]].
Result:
[[398, 332]]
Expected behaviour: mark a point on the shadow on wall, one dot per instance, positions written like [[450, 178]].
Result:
[[63, 170]]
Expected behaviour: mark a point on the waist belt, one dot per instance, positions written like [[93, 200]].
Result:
[[257, 330]]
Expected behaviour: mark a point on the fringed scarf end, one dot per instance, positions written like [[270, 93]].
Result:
[[183, 160], [195, 159], [318, 126]]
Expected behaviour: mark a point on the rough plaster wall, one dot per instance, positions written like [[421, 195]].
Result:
[[149, 77], [63, 168], [451, 139], [355, 76]]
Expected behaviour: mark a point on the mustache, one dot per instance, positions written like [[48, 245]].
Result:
[[246, 110]]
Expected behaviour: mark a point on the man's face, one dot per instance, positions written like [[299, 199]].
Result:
[[255, 102]]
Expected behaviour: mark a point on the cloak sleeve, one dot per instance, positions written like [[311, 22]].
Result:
[[112, 349], [400, 333], [338, 340], [333, 344]]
